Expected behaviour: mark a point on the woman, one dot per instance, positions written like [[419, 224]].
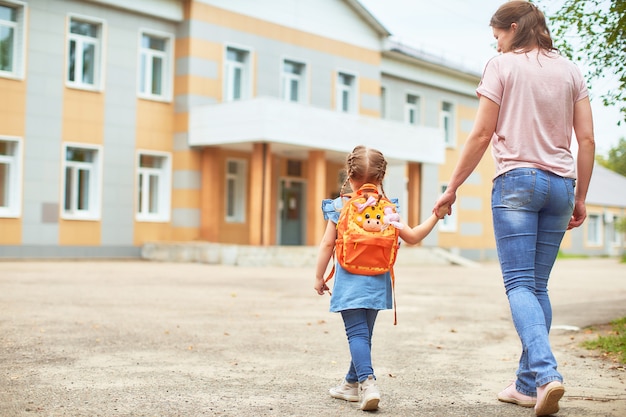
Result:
[[530, 100]]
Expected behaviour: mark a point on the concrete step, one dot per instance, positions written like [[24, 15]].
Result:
[[286, 256]]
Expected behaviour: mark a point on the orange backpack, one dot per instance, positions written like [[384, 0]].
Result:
[[367, 235]]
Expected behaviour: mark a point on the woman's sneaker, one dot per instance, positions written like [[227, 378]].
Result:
[[370, 396], [348, 391]]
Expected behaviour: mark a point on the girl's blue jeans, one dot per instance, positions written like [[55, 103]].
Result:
[[531, 210], [359, 325]]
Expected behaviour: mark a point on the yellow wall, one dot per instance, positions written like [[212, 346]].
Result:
[[216, 16], [12, 107], [83, 122], [11, 231], [12, 123], [482, 191]]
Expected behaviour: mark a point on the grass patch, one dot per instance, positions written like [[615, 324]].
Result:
[[613, 344]]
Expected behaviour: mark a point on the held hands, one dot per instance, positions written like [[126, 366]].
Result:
[[441, 211], [444, 204]]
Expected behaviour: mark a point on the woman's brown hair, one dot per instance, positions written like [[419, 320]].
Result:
[[365, 165], [532, 30]]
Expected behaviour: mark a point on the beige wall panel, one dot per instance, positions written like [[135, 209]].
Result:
[[79, 233], [11, 231], [181, 122], [369, 112], [12, 107], [186, 199], [199, 48], [155, 125], [187, 160], [184, 234], [200, 86], [152, 232], [83, 116], [216, 16], [235, 233]]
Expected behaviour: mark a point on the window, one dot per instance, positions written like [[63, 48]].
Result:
[[10, 173], [155, 66], [448, 223], [383, 103], [412, 109], [12, 43], [81, 199], [614, 234], [84, 53], [153, 187], [235, 190], [237, 74], [346, 93], [293, 83], [447, 123], [594, 230]]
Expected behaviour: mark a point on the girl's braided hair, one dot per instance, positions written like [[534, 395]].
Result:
[[365, 165]]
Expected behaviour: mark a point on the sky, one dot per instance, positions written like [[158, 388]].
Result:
[[458, 30]]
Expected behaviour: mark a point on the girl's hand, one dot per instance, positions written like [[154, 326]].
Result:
[[320, 286], [441, 211]]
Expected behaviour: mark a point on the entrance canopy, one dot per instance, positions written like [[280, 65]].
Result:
[[293, 129]]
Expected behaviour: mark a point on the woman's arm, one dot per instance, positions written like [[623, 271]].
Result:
[[473, 151], [323, 256], [583, 128]]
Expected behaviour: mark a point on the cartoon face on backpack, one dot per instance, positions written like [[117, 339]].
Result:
[[371, 219]]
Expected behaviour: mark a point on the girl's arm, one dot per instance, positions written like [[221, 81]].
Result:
[[414, 235], [323, 256]]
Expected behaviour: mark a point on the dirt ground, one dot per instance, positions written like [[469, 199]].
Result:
[[163, 339]]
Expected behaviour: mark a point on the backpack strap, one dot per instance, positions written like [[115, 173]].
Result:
[[331, 273]]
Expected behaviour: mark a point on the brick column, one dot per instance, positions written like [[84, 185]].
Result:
[[316, 191], [211, 185], [260, 195], [414, 191]]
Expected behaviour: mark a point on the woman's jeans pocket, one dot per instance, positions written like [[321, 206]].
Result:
[[515, 188]]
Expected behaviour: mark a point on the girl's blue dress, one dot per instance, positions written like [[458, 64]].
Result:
[[352, 291]]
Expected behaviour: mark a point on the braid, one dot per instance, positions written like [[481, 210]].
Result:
[[366, 165]]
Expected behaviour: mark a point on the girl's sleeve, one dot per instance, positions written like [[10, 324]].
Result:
[[332, 209]]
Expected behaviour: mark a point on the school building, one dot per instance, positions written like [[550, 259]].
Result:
[[124, 123]]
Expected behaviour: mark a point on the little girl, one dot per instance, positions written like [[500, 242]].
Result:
[[359, 297]]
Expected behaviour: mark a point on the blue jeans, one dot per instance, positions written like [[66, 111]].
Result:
[[359, 325], [531, 210]]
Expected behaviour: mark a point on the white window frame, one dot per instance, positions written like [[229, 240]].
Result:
[[246, 73], [449, 223], [287, 78], [80, 42], [144, 83], [449, 134], [594, 225], [351, 91], [13, 182], [239, 192], [164, 178], [617, 236], [93, 212], [413, 109], [18, 58], [384, 102]]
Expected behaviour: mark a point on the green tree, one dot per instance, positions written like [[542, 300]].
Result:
[[616, 159], [593, 32]]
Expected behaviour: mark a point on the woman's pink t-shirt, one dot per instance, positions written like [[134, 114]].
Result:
[[536, 93]]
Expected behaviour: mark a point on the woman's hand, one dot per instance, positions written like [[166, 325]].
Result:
[[447, 199], [579, 215]]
